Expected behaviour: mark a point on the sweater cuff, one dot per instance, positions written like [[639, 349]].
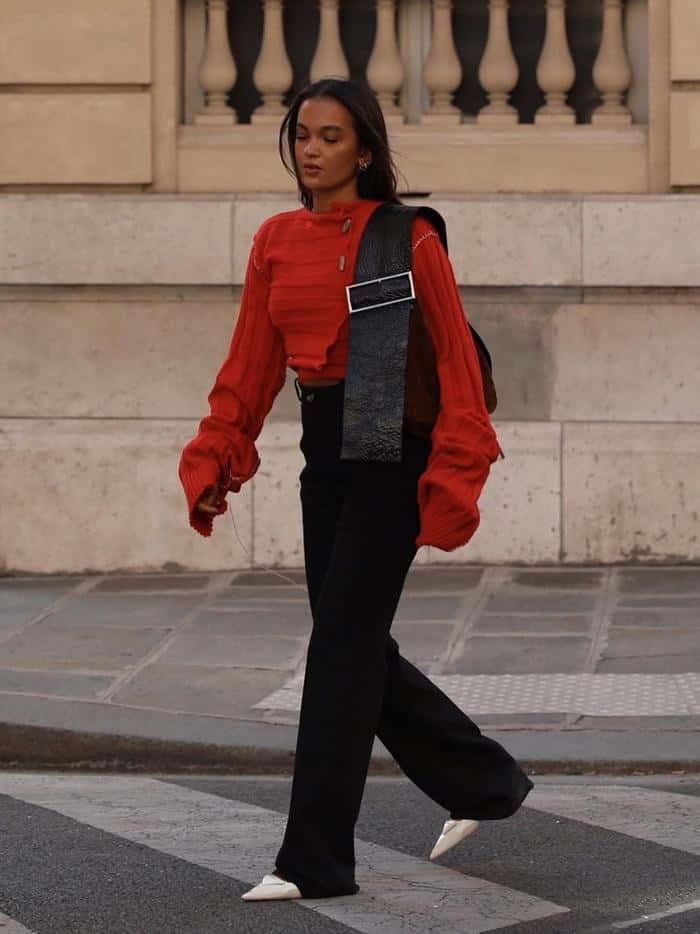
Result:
[[447, 519], [195, 480], [449, 535]]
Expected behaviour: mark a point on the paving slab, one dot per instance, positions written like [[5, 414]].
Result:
[[525, 601], [564, 579], [456, 579], [521, 655], [626, 643], [127, 611], [218, 691], [660, 601], [152, 583], [270, 619], [657, 619], [492, 623], [198, 645], [33, 590], [22, 600], [232, 595], [13, 618], [425, 608], [268, 579], [650, 664], [57, 683], [422, 642], [50, 647], [671, 581]]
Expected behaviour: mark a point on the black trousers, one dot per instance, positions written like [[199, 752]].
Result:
[[360, 522]]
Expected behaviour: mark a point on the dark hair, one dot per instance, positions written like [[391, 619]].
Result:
[[379, 180]]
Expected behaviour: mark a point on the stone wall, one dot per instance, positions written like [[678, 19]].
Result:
[[117, 311]]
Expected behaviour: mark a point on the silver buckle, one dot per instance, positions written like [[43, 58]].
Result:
[[391, 301]]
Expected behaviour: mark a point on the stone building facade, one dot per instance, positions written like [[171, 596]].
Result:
[[559, 138]]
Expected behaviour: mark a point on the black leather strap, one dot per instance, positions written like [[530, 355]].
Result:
[[373, 403]]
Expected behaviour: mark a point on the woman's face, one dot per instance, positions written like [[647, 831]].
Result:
[[327, 149]]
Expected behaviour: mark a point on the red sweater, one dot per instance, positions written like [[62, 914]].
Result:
[[293, 313]]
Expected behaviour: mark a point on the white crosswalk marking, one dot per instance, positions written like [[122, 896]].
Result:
[[657, 916], [9, 926], [240, 841], [661, 817]]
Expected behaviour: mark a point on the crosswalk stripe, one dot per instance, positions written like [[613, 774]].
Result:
[[240, 840], [662, 817], [658, 915], [10, 926]]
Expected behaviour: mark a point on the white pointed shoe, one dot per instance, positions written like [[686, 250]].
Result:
[[272, 887], [453, 832]]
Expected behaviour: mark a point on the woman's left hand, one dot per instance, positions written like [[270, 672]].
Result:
[[207, 502]]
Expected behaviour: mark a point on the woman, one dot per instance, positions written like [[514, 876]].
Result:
[[362, 521]]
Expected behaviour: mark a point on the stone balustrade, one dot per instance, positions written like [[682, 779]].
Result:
[[487, 62], [517, 96]]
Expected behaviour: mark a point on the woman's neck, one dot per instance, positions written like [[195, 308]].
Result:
[[323, 201]]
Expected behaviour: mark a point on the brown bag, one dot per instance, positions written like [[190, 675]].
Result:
[[422, 393]]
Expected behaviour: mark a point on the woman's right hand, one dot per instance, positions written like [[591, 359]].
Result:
[[209, 498]]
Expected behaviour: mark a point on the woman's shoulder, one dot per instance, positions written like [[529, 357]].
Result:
[[426, 223], [424, 230], [281, 219], [267, 231]]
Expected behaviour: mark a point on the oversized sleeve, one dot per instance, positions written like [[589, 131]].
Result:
[[464, 443], [246, 385]]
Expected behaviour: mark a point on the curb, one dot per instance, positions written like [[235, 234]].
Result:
[[50, 748]]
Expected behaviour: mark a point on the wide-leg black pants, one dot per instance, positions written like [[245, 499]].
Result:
[[360, 523]]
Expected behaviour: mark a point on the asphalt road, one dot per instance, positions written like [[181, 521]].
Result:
[[103, 854]]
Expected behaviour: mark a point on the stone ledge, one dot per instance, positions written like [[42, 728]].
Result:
[[625, 363], [630, 492], [104, 495], [641, 242], [496, 241], [101, 240]]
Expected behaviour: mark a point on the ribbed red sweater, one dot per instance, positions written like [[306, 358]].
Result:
[[293, 313]]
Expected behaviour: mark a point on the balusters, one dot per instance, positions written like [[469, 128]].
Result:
[[498, 71], [217, 72], [389, 69], [273, 73], [414, 43], [637, 43], [556, 71], [611, 72], [442, 71], [329, 58], [385, 71]]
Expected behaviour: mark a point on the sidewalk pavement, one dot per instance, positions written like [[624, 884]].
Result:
[[571, 668]]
